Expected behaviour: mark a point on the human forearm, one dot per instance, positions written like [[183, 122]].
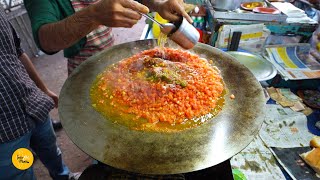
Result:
[[169, 9], [151, 4], [32, 72], [63, 34]]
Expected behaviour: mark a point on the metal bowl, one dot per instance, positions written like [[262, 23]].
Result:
[[261, 68]]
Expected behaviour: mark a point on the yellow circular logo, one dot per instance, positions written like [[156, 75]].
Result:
[[22, 158]]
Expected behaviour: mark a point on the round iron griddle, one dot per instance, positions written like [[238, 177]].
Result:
[[162, 153]]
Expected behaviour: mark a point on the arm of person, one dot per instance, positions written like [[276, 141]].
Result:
[[168, 9], [56, 34], [32, 72]]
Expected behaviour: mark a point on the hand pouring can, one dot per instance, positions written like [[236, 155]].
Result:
[[185, 34]]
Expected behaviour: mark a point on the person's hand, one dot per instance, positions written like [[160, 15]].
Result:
[[53, 96], [171, 10], [118, 13]]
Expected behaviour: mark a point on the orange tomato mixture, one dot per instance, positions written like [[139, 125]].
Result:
[[160, 85]]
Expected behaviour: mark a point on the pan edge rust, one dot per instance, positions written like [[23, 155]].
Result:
[[162, 153]]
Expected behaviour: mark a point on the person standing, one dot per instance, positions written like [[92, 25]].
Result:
[[25, 103]]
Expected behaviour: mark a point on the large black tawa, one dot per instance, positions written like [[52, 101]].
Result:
[[162, 153]]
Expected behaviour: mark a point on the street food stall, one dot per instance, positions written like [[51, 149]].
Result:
[[233, 95], [261, 130]]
